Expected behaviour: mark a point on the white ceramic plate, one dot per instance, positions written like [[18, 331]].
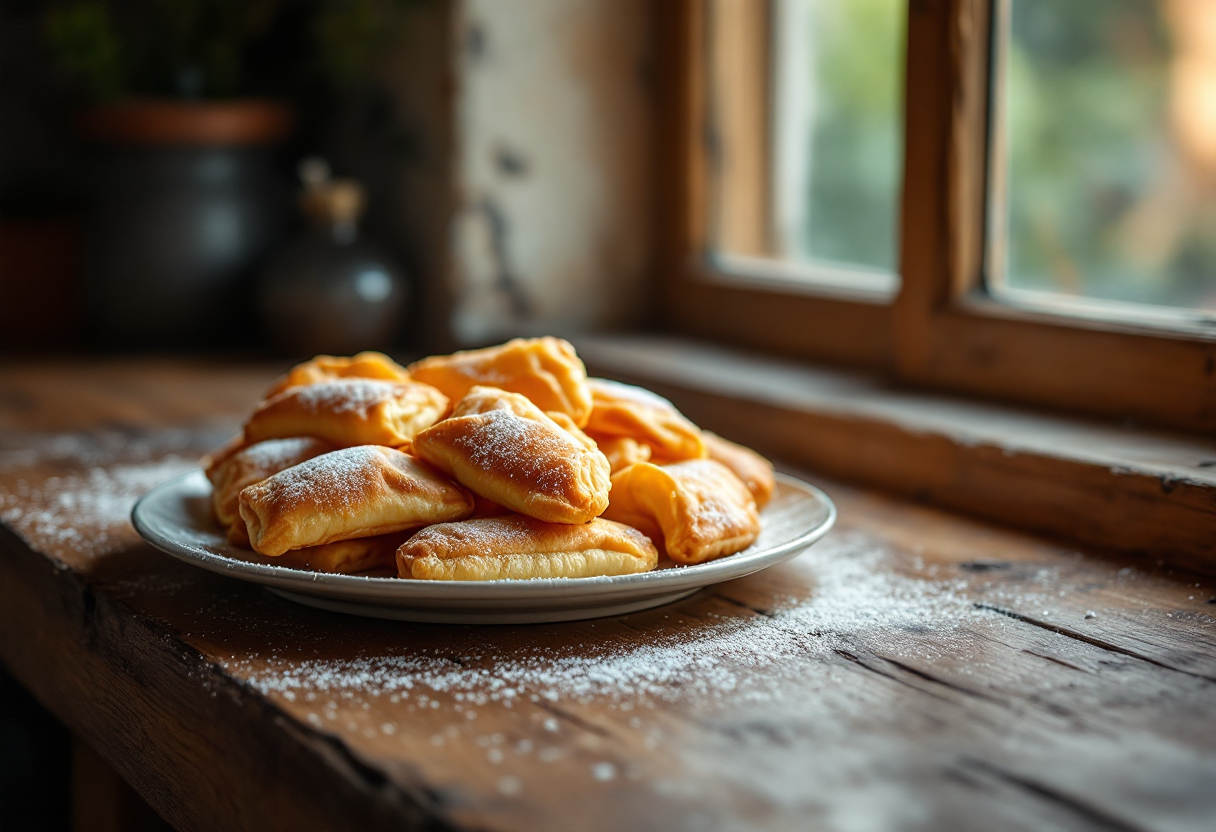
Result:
[[176, 518]]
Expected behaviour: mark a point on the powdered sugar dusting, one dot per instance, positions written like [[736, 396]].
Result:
[[748, 657], [487, 535], [280, 453], [87, 512], [337, 478], [357, 395], [499, 440], [25, 449]]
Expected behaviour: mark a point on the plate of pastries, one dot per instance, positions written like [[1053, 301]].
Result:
[[498, 485]]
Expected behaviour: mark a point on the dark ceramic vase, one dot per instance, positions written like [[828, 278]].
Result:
[[329, 290], [181, 217]]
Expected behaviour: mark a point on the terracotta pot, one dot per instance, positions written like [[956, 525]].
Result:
[[186, 204], [155, 121]]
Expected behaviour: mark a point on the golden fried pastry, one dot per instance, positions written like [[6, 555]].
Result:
[[623, 410], [346, 556], [699, 508], [349, 412], [213, 459], [484, 399], [487, 508], [519, 548], [755, 471], [326, 367], [623, 451], [501, 446], [567, 424], [545, 370], [354, 492], [252, 465]]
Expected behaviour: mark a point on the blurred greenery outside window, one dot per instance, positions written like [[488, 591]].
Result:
[[837, 133], [1109, 140], [1102, 155]]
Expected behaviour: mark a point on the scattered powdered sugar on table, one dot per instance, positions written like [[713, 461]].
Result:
[[25, 449], [853, 595], [87, 511]]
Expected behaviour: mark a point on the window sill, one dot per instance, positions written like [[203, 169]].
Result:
[[825, 280], [1148, 493]]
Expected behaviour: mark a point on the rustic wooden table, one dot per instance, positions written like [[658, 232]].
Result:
[[913, 670]]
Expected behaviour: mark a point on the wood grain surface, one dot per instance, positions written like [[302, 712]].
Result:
[[914, 670]]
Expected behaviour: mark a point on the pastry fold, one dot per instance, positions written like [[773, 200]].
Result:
[[251, 465], [699, 509], [213, 459], [346, 556], [484, 399], [755, 471], [354, 492], [623, 451], [545, 370], [520, 548], [502, 447], [625, 411], [327, 367], [349, 412]]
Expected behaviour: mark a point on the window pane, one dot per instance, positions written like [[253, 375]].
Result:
[[838, 130], [806, 136], [1109, 139]]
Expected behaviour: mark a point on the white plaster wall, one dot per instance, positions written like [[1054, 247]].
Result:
[[552, 116]]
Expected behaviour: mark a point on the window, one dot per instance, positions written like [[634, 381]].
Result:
[[1104, 146], [1007, 269], [838, 131], [805, 114]]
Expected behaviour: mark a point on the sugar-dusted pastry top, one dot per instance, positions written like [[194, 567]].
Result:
[[545, 370], [515, 547], [326, 367], [508, 451], [484, 399], [350, 493], [755, 471], [629, 412], [567, 424], [511, 462], [251, 465], [349, 412], [698, 509]]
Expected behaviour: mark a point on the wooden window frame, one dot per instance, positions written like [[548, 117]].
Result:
[[943, 330]]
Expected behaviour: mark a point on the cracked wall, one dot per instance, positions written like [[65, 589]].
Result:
[[552, 113]]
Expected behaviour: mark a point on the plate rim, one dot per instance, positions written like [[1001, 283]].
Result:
[[390, 589]]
